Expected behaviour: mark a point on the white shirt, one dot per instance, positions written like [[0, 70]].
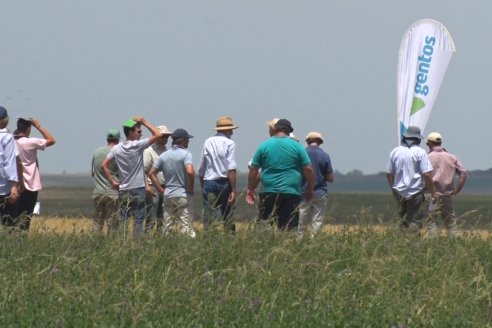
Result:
[[218, 157], [407, 165]]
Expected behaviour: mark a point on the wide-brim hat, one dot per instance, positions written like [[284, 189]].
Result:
[[272, 122], [413, 132], [225, 123], [163, 130], [314, 135]]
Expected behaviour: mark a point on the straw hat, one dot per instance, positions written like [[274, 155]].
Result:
[[272, 122], [225, 123]]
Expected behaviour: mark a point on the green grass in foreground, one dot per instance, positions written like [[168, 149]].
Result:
[[355, 278]]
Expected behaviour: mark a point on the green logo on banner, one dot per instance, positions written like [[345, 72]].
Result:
[[417, 105]]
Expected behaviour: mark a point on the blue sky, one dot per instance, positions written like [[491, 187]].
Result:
[[82, 67]]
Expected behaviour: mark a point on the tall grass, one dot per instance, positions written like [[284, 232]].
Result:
[[350, 277]]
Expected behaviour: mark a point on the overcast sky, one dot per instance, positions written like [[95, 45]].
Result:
[[82, 67]]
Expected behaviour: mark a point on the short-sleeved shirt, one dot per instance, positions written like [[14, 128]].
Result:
[[151, 155], [281, 160], [321, 163], [129, 158], [172, 164], [101, 184], [28, 154], [218, 157], [407, 165], [445, 167]]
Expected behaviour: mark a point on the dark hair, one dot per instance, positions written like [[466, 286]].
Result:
[[282, 128], [311, 140], [23, 125]]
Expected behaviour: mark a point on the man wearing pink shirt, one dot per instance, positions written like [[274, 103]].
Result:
[[28, 156], [445, 167]]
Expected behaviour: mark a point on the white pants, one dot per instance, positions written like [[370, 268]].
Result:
[[176, 211], [313, 212]]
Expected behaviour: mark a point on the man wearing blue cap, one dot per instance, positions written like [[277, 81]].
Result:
[[8, 167], [104, 197], [132, 186]]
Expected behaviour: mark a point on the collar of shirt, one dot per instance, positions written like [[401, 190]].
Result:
[[221, 134]]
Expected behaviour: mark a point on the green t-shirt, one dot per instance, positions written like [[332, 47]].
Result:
[[101, 185], [281, 161]]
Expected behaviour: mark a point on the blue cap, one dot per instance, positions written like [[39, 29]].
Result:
[[3, 113]]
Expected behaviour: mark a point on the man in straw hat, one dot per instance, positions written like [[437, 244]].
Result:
[[217, 173], [177, 166], [314, 211], [8, 168], [155, 203], [132, 186], [281, 160], [407, 169], [104, 197], [446, 166]]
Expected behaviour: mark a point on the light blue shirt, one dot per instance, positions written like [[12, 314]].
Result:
[[218, 157], [172, 163], [8, 169], [407, 165]]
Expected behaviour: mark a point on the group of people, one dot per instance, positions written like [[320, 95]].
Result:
[[143, 179], [20, 180], [412, 171]]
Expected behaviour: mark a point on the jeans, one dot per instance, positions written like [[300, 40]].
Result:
[[282, 208], [215, 196], [132, 202]]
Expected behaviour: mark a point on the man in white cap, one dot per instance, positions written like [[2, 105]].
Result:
[[177, 166], [217, 173], [408, 168], [132, 186], [446, 166], [154, 203], [314, 211], [8, 173], [104, 197]]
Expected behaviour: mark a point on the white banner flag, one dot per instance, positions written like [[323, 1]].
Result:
[[425, 53]]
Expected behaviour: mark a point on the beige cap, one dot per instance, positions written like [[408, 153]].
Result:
[[272, 122], [434, 137], [225, 123], [314, 135], [163, 129]]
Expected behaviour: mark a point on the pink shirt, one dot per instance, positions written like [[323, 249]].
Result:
[[28, 155], [445, 165]]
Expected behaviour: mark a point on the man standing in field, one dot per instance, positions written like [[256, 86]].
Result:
[[8, 173], [177, 166], [132, 186], [314, 211], [281, 160], [445, 167], [217, 173], [407, 169], [154, 204], [28, 157], [104, 197]]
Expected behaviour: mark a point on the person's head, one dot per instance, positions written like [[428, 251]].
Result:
[[434, 139], [412, 134], [181, 138], [283, 126], [314, 137], [165, 133], [24, 126], [271, 126], [113, 136], [132, 130], [225, 125], [4, 118]]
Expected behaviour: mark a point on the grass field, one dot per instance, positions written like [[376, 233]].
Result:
[[359, 273]]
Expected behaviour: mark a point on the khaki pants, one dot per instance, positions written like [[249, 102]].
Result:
[[177, 212], [411, 211], [314, 213], [105, 211], [444, 209]]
